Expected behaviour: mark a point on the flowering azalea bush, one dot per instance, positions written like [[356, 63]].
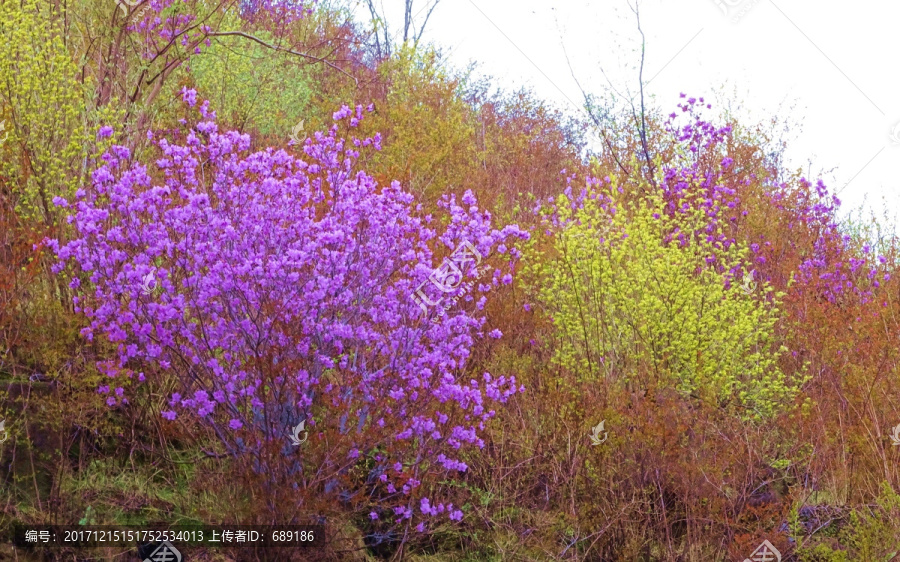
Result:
[[827, 263], [278, 290]]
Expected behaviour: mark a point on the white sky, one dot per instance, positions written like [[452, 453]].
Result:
[[831, 66]]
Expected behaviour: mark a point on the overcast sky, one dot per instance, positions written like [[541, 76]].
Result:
[[832, 67]]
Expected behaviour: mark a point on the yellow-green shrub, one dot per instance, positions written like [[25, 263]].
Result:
[[635, 307], [43, 108], [252, 86]]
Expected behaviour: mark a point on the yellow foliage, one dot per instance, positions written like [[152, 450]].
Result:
[[636, 307], [44, 110]]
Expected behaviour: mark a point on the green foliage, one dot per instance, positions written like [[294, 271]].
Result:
[[822, 553], [872, 534], [88, 518], [634, 307], [868, 533], [252, 86]]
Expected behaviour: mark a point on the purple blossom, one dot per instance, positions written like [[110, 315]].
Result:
[[189, 96], [327, 273]]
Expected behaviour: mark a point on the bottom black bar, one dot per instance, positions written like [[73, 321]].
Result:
[[84, 536]]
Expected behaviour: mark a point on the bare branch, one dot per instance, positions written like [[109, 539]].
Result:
[[590, 113], [407, 19], [283, 50], [424, 23], [642, 127], [409, 31], [376, 21]]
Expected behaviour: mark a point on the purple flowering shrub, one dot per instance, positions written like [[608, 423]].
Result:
[[277, 289], [704, 174], [790, 227]]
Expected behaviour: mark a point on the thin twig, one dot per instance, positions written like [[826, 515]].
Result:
[[643, 123], [284, 50]]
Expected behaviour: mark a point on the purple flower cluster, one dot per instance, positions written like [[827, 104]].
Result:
[[284, 294], [700, 179], [702, 176], [160, 24], [833, 269]]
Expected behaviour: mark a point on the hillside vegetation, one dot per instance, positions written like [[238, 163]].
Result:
[[220, 219]]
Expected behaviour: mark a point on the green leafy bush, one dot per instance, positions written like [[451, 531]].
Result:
[[251, 85]]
